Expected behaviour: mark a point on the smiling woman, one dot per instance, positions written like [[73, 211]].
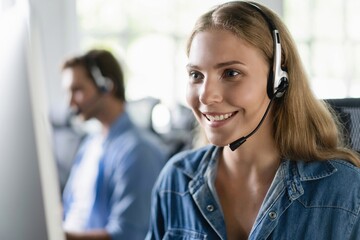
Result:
[[280, 183], [231, 72]]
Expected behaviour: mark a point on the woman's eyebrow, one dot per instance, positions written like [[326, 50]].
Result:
[[219, 65], [224, 64]]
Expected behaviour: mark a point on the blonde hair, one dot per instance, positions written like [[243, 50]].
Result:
[[305, 128]]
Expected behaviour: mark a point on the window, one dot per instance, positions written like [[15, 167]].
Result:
[[329, 43], [149, 39]]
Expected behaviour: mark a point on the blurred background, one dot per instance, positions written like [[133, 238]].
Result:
[[148, 38]]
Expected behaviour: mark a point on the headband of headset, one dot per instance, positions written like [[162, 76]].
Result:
[[278, 79], [104, 84]]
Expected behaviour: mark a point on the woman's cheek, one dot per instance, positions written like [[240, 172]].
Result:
[[192, 96]]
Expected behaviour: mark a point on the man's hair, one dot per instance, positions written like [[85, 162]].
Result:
[[106, 63]]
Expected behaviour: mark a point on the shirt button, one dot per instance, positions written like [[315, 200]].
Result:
[[210, 208], [272, 215]]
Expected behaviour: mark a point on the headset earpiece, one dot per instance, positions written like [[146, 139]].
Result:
[[280, 76], [103, 83], [278, 79]]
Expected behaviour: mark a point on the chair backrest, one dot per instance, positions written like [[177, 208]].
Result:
[[140, 112], [178, 137], [348, 110]]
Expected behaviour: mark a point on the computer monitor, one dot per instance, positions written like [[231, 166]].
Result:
[[30, 197]]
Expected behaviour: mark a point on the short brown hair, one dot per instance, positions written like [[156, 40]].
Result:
[[106, 63]]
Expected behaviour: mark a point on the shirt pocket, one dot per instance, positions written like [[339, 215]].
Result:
[[183, 234]]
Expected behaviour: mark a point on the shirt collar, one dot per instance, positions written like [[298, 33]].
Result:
[[121, 124], [315, 169], [197, 161]]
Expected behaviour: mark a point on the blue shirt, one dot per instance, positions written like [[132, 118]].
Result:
[[306, 200], [127, 168]]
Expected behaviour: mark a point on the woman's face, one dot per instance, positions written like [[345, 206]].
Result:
[[227, 85]]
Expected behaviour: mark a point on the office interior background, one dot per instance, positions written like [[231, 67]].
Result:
[[148, 38]]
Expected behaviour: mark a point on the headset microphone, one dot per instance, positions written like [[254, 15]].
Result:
[[237, 143], [72, 112], [76, 111], [277, 79], [234, 145]]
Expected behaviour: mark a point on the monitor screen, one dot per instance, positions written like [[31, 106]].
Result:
[[30, 197]]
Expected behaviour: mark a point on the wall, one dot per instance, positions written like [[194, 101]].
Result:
[[57, 25], [58, 28]]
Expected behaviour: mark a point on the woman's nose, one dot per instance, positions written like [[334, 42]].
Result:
[[210, 92]]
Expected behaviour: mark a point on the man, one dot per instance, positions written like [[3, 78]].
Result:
[[108, 193]]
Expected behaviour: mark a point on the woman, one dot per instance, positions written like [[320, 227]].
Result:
[[276, 167]]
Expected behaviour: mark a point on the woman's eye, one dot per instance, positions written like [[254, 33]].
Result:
[[194, 75], [230, 73]]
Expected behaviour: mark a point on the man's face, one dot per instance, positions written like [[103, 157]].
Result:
[[83, 95]]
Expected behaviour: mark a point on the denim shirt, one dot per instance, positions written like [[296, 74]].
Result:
[[306, 200], [127, 171]]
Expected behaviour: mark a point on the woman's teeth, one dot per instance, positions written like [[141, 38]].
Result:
[[218, 117]]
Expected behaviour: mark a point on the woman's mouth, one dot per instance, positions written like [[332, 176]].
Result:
[[218, 117]]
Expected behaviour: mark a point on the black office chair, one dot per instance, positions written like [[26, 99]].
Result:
[[178, 137], [140, 112], [348, 110]]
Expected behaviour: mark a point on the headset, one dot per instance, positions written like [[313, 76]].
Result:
[[278, 80], [103, 83]]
